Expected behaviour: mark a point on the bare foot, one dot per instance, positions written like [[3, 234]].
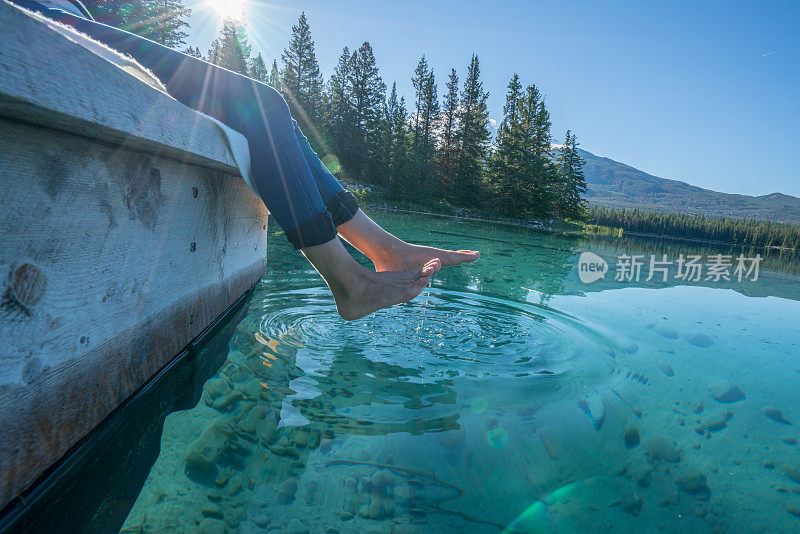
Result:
[[403, 256], [372, 291]]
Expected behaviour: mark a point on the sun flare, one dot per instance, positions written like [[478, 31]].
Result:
[[227, 9]]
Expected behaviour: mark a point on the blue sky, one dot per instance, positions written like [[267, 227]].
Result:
[[704, 92]]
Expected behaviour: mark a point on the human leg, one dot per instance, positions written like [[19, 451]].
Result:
[[390, 253], [340, 203], [386, 251], [359, 291], [281, 173], [281, 169]]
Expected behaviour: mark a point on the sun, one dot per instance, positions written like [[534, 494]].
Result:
[[227, 9]]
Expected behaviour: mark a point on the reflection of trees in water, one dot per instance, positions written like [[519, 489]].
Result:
[[783, 260], [777, 269]]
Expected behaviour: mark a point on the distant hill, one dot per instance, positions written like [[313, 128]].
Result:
[[615, 185]]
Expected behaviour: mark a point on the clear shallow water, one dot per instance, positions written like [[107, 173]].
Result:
[[509, 396]]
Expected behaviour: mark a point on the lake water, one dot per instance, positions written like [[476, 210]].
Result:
[[510, 396]]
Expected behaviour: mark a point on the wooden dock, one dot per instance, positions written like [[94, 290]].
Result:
[[125, 229]]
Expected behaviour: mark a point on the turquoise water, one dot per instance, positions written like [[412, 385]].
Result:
[[509, 396]]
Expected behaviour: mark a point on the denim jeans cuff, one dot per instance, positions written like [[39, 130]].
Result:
[[343, 207], [315, 231]]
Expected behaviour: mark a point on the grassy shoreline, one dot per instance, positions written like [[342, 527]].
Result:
[[372, 198]]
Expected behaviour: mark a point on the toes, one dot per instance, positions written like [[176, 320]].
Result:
[[457, 257], [429, 269], [468, 255], [416, 288]]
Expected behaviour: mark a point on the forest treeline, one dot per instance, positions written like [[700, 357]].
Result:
[[738, 231], [432, 148]]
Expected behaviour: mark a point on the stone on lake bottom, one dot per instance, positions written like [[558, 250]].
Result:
[[663, 449], [694, 483], [211, 526], [631, 435], [632, 504], [296, 527], [666, 367], [775, 414], [726, 392], [700, 340], [667, 332], [715, 421], [792, 471]]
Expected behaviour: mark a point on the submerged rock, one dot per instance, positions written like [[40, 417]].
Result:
[[594, 409], [694, 483], [211, 510], [632, 504], [664, 449], [629, 347], [288, 491], [726, 392], [212, 526], [700, 340], [775, 414], [201, 466], [261, 520], [631, 435], [714, 422], [667, 331], [216, 388], [295, 527], [793, 506], [666, 367], [792, 471]]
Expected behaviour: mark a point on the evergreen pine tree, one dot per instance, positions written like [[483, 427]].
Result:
[[429, 128], [121, 14], [426, 118], [231, 49], [338, 115], [472, 136], [571, 203], [258, 69], [367, 93], [193, 51], [509, 179], [400, 170], [275, 76], [166, 22], [302, 81], [162, 21], [448, 143], [419, 81]]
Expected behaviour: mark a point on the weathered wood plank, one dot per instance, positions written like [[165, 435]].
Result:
[[124, 231], [121, 259]]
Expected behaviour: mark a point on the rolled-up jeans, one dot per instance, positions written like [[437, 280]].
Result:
[[306, 200]]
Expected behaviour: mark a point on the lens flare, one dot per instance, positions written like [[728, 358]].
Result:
[[227, 9]]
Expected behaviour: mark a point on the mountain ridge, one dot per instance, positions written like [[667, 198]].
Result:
[[613, 184]]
